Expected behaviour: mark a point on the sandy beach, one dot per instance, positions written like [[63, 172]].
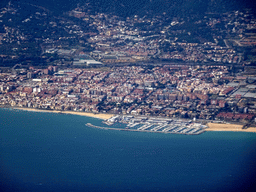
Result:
[[99, 116], [229, 127]]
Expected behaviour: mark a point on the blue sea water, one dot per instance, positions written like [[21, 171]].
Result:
[[57, 152]]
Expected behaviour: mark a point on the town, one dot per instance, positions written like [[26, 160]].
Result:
[[211, 93], [199, 67], [39, 37]]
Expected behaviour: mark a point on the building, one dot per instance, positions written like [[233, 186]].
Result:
[[222, 103], [86, 62]]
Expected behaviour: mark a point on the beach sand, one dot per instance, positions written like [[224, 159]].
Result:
[[228, 127], [99, 116]]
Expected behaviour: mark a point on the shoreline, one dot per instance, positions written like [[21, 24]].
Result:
[[87, 114], [211, 126], [229, 127]]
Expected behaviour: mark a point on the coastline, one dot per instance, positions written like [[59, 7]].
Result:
[[98, 116], [229, 127], [211, 126]]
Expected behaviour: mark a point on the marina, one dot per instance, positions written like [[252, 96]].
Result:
[[160, 129], [153, 125]]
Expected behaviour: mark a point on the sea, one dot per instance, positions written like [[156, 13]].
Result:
[[42, 151]]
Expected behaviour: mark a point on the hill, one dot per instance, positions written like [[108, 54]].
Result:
[[125, 8]]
